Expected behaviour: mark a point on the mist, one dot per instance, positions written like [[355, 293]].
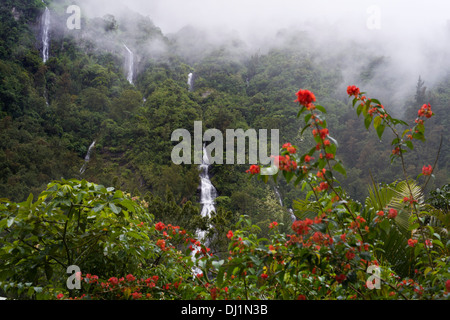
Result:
[[411, 38]]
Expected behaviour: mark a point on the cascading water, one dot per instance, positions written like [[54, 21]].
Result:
[[130, 65], [190, 82], [87, 157], [291, 212], [208, 195], [277, 193], [45, 34]]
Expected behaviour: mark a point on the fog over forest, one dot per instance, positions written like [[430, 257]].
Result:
[[411, 36]]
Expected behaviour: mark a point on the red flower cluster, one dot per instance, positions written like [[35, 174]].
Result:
[[357, 223], [302, 226], [308, 158], [353, 91], [340, 278], [425, 111], [396, 151], [426, 171], [273, 225], [290, 148], [392, 214], [305, 98], [254, 169], [412, 242], [230, 234], [322, 132], [162, 244], [410, 200], [285, 163]]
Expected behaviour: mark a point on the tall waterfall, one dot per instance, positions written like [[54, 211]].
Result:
[[208, 192], [207, 198], [190, 82], [130, 65], [45, 21], [291, 212], [87, 158]]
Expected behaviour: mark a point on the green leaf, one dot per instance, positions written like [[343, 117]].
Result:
[[367, 122], [318, 107], [339, 168], [10, 222], [377, 121], [115, 208], [380, 130], [308, 117], [98, 207], [359, 110], [135, 235], [409, 144]]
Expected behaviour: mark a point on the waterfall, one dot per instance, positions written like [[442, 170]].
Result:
[[190, 81], [45, 34], [277, 193], [130, 65], [87, 157], [291, 212], [207, 199]]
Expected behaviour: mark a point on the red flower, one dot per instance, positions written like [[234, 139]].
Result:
[[159, 226], [286, 145], [308, 158], [60, 296], [305, 97], [323, 186], [230, 234], [426, 171], [136, 295], [301, 297], [302, 226], [349, 255], [114, 281], [130, 278], [273, 225], [396, 151], [254, 169], [412, 242], [264, 276], [353, 91], [340, 278], [161, 243], [324, 133], [447, 286], [425, 111], [291, 149], [410, 200], [392, 213]]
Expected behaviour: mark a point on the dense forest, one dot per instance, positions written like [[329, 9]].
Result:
[[51, 112]]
